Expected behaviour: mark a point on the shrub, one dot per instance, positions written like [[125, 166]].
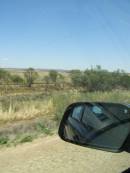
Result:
[[26, 138], [4, 140], [42, 129]]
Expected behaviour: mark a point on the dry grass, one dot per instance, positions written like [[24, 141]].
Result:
[[34, 105], [26, 110], [19, 113]]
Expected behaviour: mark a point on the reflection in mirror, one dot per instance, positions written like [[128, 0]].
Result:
[[99, 125]]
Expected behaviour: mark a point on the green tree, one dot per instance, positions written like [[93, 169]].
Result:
[[5, 76], [53, 75], [46, 79], [98, 79], [60, 81], [17, 79], [30, 76], [77, 78]]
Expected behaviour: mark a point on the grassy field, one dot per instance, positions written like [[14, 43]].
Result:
[[51, 105], [24, 117]]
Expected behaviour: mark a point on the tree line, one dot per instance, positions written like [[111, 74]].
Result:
[[94, 79], [30, 77], [98, 79]]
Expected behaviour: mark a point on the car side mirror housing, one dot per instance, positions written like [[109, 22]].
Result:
[[104, 126]]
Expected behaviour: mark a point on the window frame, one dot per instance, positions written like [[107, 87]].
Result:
[[83, 108]]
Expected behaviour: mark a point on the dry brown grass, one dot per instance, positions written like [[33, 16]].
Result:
[[27, 110], [21, 111], [30, 106]]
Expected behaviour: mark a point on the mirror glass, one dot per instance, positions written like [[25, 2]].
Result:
[[99, 125]]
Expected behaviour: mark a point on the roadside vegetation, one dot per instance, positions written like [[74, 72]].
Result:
[[32, 104]]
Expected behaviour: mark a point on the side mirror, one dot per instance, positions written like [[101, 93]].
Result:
[[104, 126]]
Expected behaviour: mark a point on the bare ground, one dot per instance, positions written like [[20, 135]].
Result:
[[51, 155]]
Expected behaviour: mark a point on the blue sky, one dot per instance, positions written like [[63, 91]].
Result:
[[65, 34]]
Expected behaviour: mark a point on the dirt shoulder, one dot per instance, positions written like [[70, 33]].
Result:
[[51, 155]]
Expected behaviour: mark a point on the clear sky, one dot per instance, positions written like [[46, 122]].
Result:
[[65, 34]]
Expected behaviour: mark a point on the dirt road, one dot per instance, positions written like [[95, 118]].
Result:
[[51, 155]]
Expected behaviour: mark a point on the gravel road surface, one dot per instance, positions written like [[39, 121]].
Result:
[[52, 155]]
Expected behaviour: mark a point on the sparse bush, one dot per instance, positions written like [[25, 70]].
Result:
[[53, 75], [30, 76], [97, 79], [43, 129], [4, 140], [5, 76], [16, 79], [26, 138]]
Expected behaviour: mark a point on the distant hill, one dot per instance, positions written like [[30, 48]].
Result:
[[37, 69]]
